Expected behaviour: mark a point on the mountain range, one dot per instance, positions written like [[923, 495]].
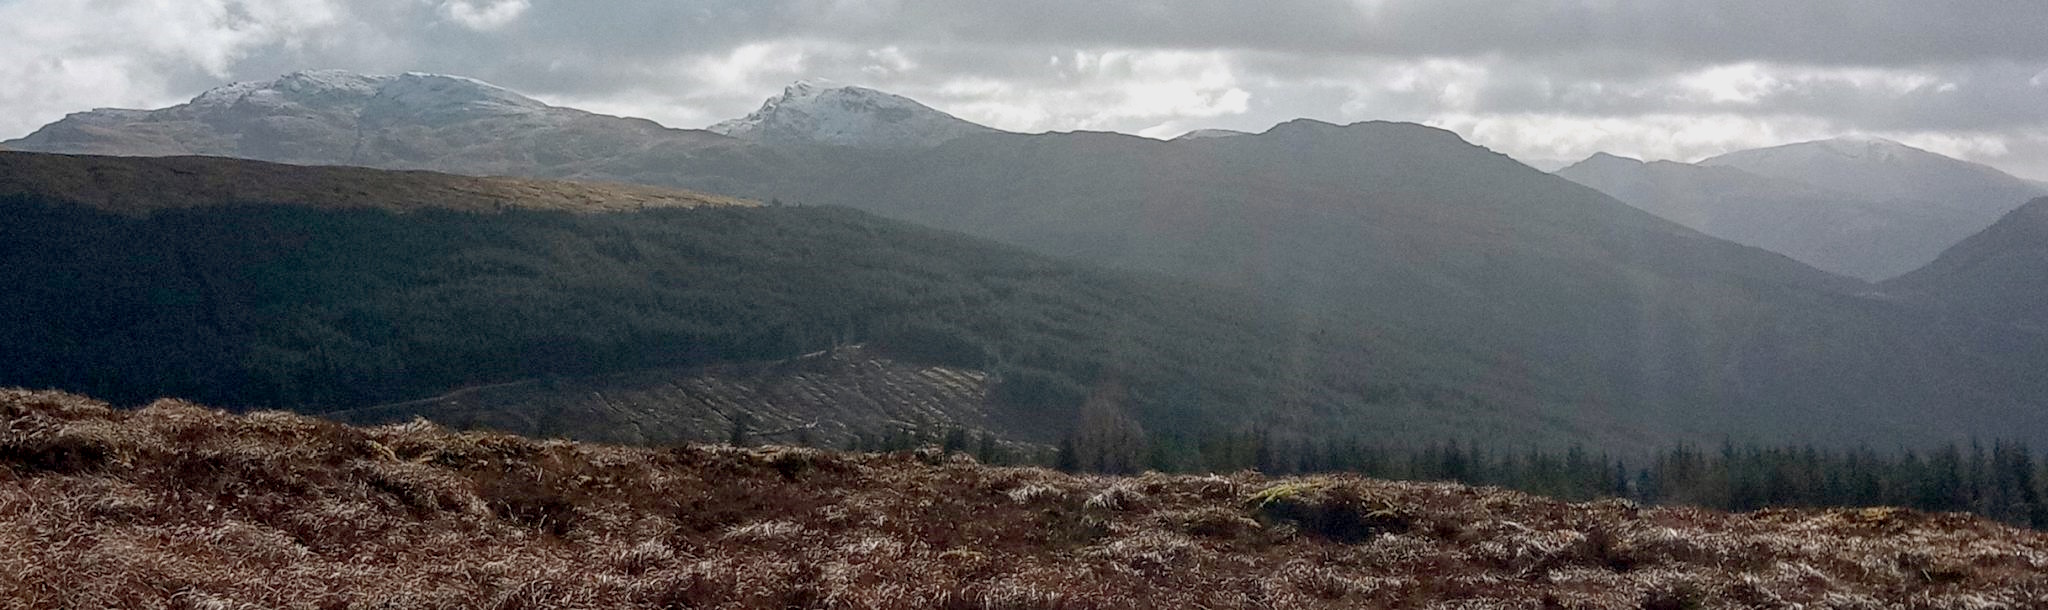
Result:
[[1864, 207], [1543, 303]]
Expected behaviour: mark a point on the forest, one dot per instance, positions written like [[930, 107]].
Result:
[[284, 306], [2002, 480]]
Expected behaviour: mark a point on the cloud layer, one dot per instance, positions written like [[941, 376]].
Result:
[[1539, 79]]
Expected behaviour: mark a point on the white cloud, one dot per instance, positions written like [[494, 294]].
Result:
[[751, 67], [1140, 91], [66, 56], [484, 15]]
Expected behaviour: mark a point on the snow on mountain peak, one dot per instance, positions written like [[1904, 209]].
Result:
[[1866, 146], [821, 111], [331, 88]]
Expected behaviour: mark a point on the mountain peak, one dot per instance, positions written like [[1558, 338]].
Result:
[[1206, 134], [823, 111], [1603, 158]]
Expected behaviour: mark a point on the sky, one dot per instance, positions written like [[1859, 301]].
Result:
[[1546, 81]]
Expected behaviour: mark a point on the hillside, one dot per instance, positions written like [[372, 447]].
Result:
[[1995, 275], [304, 300], [140, 187], [829, 398], [176, 505], [1835, 231], [1576, 307]]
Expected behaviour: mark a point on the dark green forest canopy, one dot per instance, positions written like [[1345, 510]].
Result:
[[290, 306]]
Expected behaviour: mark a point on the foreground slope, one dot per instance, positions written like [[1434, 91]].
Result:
[[177, 505]]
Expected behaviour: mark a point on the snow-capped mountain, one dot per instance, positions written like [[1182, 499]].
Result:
[[1880, 169], [411, 120], [822, 112]]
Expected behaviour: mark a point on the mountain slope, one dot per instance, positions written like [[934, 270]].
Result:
[[314, 299], [818, 112], [140, 187], [1834, 231], [2000, 274], [176, 505], [1588, 310]]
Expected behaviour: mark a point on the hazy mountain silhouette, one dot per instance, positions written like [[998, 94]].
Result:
[[1843, 232]]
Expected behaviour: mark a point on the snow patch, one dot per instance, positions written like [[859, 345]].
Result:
[[821, 111]]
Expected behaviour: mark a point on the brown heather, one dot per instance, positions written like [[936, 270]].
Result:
[[178, 506]]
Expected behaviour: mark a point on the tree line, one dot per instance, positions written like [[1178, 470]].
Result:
[[2002, 480]]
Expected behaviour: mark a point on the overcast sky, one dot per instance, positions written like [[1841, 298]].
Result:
[[1538, 79]]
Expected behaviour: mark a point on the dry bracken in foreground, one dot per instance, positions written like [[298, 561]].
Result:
[[178, 506]]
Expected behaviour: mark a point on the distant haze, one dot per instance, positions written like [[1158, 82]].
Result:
[[1539, 80]]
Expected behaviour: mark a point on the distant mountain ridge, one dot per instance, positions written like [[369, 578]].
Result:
[[1884, 170], [1865, 207], [406, 121]]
